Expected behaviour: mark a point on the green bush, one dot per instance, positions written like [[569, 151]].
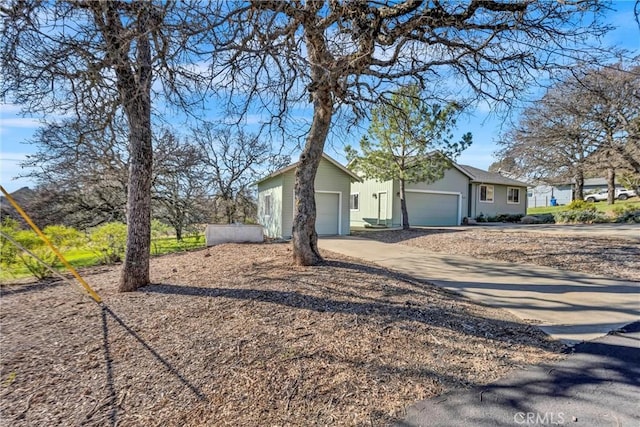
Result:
[[626, 214], [30, 241], [60, 236], [508, 218], [581, 216], [8, 251], [547, 218], [109, 241], [580, 205], [63, 237]]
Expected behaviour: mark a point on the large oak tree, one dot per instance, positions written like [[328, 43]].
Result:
[[100, 58], [281, 55]]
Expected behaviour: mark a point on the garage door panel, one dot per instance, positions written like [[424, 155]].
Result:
[[327, 213], [432, 209]]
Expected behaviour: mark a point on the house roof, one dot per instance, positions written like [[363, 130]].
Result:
[[324, 156], [479, 175]]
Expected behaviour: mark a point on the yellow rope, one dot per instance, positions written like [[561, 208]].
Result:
[[44, 238]]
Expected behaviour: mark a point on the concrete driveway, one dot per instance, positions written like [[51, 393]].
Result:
[[569, 306]]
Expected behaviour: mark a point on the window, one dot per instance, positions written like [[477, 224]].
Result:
[[513, 195], [486, 193], [267, 205], [354, 202]]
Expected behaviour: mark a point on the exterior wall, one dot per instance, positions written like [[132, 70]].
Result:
[[541, 195], [328, 178], [222, 233], [272, 223], [367, 214], [499, 205], [453, 181]]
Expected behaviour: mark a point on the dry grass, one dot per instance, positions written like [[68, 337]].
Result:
[[610, 257], [236, 335]]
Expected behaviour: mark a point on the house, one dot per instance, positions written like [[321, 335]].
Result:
[[332, 186], [463, 191], [540, 195], [492, 194]]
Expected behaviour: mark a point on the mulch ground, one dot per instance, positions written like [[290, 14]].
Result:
[[237, 335]]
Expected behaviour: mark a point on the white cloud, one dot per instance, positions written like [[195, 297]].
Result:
[[19, 122], [10, 109]]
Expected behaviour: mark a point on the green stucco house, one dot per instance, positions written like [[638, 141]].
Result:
[[464, 191], [333, 187]]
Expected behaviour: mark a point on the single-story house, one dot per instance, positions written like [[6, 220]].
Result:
[[464, 191], [541, 194], [332, 185]]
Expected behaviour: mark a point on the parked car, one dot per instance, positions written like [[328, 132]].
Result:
[[621, 194]]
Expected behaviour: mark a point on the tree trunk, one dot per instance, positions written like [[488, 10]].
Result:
[[305, 238], [578, 185], [611, 185], [136, 98], [403, 206]]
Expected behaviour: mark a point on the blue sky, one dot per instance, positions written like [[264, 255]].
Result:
[[485, 126]]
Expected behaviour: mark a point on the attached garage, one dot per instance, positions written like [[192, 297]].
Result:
[[327, 213], [433, 208]]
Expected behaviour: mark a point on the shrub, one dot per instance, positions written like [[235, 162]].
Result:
[[64, 237], [8, 250], [30, 241], [580, 205], [109, 241], [547, 218], [582, 216], [628, 214], [508, 218]]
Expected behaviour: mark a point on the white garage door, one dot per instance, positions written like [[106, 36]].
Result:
[[432, 208], [327, 213]]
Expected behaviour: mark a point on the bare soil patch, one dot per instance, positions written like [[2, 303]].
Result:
[[609, 257], [237, 335]]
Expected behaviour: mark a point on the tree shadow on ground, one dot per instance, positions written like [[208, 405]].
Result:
[[111, 405], [387, 311]]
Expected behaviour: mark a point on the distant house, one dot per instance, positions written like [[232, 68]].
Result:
[[541, 194], [332, 186], [464, 191]]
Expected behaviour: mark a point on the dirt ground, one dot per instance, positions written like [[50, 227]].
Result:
[[237, 335], [609, 257]]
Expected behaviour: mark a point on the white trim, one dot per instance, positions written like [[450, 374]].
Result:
[[519, 195], [450, 193], [493, 190], [339, 193], [354, 194]]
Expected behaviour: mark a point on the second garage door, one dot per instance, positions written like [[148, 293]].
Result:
[[432, 209], [327, 214]]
